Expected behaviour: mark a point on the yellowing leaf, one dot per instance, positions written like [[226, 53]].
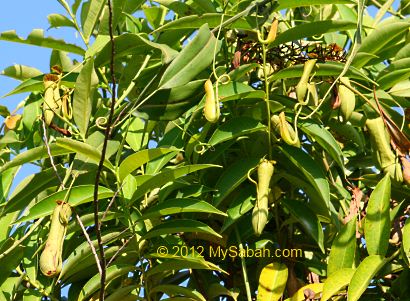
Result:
[[11, 121], [317, 288], [272, 282]]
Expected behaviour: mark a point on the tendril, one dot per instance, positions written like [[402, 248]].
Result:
[[201, 148], [101, 122]]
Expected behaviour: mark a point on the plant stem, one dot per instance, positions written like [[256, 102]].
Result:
[[243, 264], [132, 84], [107, 135], [265, 75]]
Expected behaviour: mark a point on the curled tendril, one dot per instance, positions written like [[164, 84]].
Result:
[[250, 178], [220, 79], [315, 37], [223, 79], [305, 15], [260, 38], [201, 148], [101, 122]]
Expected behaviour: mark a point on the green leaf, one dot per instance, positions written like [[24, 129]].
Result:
[[312, 29], [272, 282], [36, 38], [243, 203], [235, 91], [138, 159], [172, 138], [93, 143], [83, 252], [113, 272], [335, 282], [378, 39], [364, 273], [176, 206], [175, 290], [36, 84], [93, 15], [162, 107], [12, 260], [85, 86], [307, 218], [193, 59], [212, 19], [343, 249], [21, 72], [165, 176], [348, 132], [78, 195], [6, 179], [310, 169], [323, 69], [216, 290], [406, 239], [324, 138], [5, 223], [135, 44], [377, 221], [401, 89], [232, 177], [179, 225], [135, 135], [85, 149], [285, 4], [31, 186], [4, 111], [235, 127], [206, 6], [403, 53], [347, 13], [180, 8], [124, 293], [86, 268], [32, 295], [58, 20], [34, 154], [396, 72], [174, 263]]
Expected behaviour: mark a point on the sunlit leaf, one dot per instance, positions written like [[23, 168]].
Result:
[[377, 222], [364, 273], [36, 38], [272, 282]]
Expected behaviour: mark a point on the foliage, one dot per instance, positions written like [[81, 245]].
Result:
[[319, 95]]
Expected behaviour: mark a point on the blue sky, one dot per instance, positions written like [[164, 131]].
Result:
[[23, 16]]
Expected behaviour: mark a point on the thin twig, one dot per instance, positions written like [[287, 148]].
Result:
[[245, 12], [119, 250], [243, 264], [18, 242], [49, 153], [111, 203], [87, 237], [107, 134]]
